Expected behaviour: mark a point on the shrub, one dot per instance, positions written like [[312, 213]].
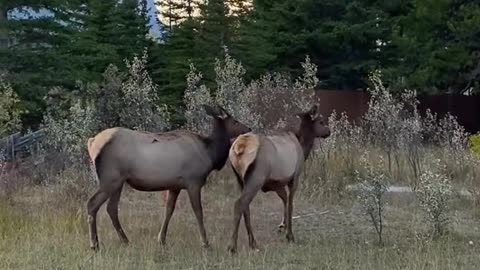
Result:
[[250, 103], [194, 96], [141, 108], [10, 111], [474, 143], [343, 141], [128, 100], [391, 122], [67, 136], [107, 97], [434, 193], [373, 185]]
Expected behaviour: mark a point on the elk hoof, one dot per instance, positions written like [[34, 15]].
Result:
[[161, 240], [206, 245], [94, 247], [290, 237], [232, 249], [255, 248]]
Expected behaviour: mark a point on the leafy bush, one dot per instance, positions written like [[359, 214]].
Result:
[[434, 193], [261, 104], [10, 111], [128, 100], [67, 136], [141, 108], [390, 122], [373, 185], [474, 142]]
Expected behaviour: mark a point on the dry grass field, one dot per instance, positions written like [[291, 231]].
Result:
[[45, 227]]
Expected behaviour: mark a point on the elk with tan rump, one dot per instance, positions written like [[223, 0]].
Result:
[[271, 163], [172, 161]]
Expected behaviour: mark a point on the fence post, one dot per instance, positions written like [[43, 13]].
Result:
[[12, 138]]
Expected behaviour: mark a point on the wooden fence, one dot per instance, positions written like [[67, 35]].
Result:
[[355, 105], [17, 145]]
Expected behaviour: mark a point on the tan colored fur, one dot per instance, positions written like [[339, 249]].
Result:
[[243, 152], [96, 144]]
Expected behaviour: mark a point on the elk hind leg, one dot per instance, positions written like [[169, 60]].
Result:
[[282, 193], [112, 210], [170, 207], [93, 204], [249, 191]]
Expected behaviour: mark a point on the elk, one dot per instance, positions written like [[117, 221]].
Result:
[[173, 161], [269, 162]]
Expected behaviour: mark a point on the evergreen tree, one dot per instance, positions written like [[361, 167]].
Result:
[[213, 36], [178, 48], [341, 37], [437, 45], [30, 50], [74, 40]]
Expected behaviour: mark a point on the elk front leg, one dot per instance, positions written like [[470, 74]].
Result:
[[292, 189], [196, 201]]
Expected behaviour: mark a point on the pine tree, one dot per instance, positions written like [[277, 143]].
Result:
[[30, 50], [339, 36], [178, 48], [438, 42], [213, 36], [131, 28]]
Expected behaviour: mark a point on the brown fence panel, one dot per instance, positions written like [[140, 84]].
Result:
[[355, 104], [465, 108]]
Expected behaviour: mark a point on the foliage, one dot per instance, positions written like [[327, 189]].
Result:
[[107, 97], [373, 185], [68, 135], [128, 100], [141, 109], [250, 103], [434, 193], [475, 143], [66, 42], [438, 44], [10, 111], [432, 52], [392, 123]]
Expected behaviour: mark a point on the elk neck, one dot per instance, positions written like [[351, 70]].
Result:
[[218, 145], [305, 138]]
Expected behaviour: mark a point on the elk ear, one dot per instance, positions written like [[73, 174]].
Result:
[[222, 112], [314, 111], [210, 111]]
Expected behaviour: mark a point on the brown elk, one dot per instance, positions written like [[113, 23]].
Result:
[[269, 162], [172, 161]]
